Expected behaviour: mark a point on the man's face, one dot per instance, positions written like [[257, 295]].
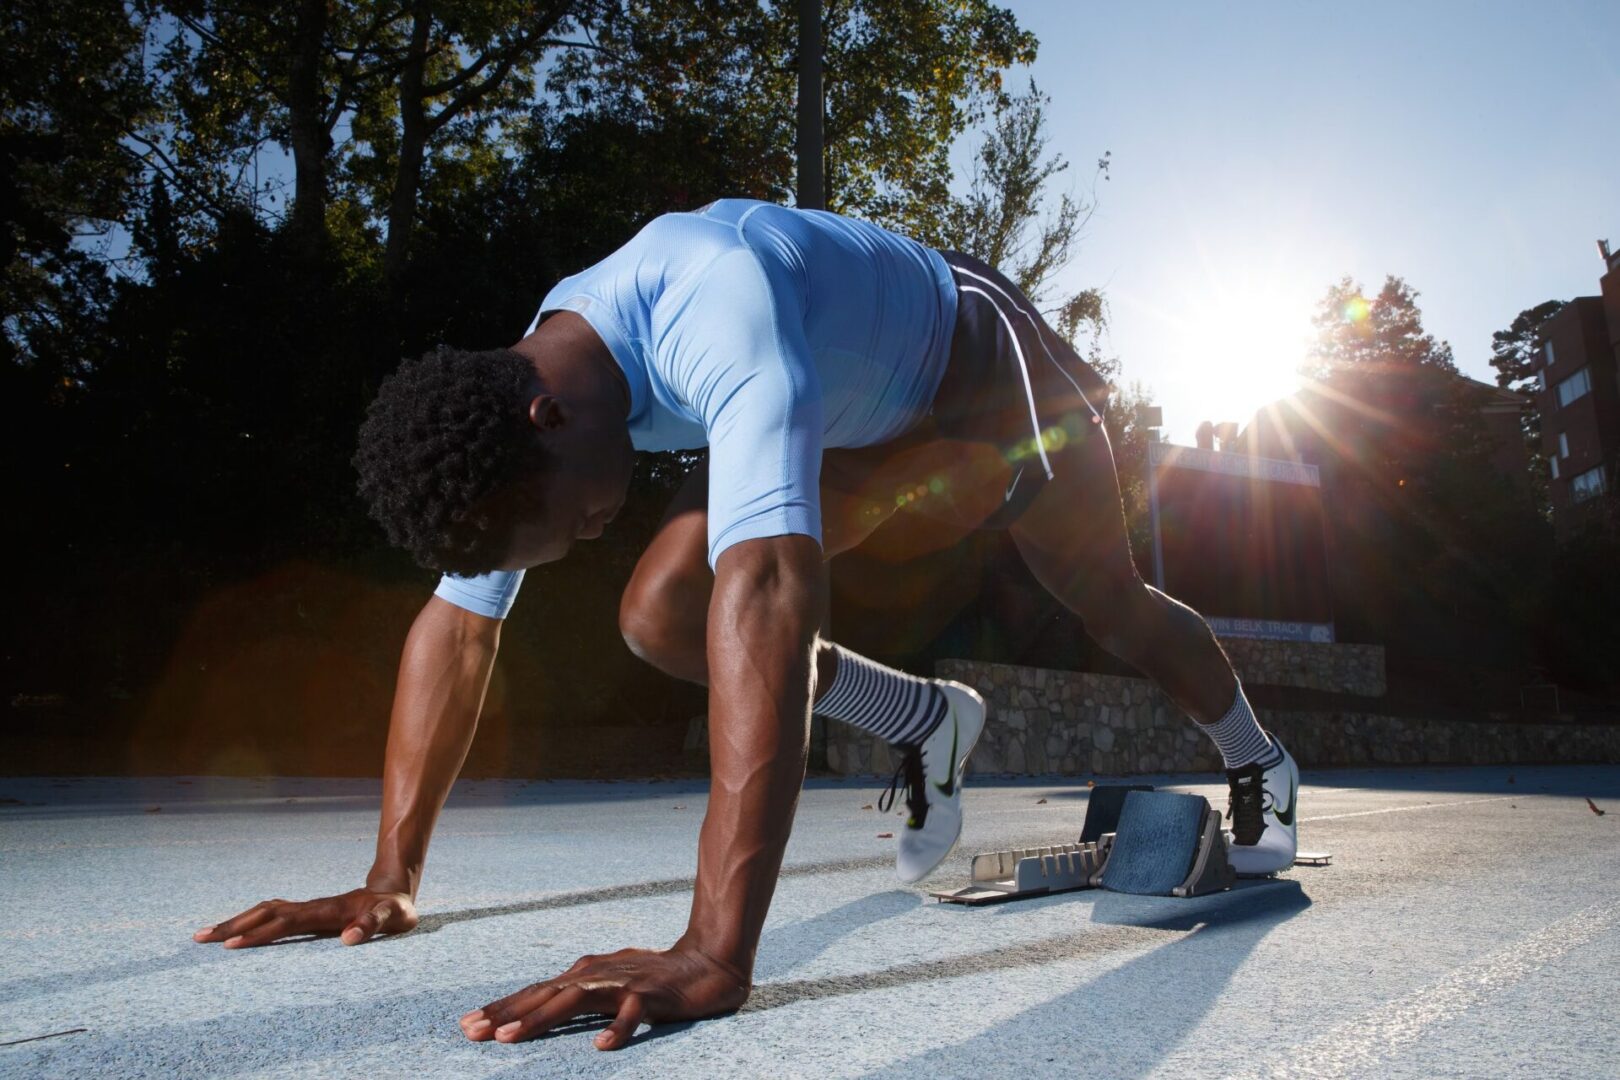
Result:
[[581, 488]]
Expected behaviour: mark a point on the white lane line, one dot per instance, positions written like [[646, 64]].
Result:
[[1320, 817], [1358, 1046], [1419, 806]]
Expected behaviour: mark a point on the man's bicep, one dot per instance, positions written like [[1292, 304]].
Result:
[[765, 464], [766, 606]]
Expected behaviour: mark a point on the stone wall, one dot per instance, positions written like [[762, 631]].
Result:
[[1078, 723], [1340, 668]]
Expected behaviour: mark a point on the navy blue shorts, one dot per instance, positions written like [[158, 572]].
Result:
[[1011, 381]]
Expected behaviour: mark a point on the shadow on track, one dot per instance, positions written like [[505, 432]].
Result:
[[1124, 927], [792, 945], [1126, 1021], [638, 890]]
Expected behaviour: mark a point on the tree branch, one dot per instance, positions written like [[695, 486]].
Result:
[[172, 171], [350, 78], [505, 59], [211, 37]]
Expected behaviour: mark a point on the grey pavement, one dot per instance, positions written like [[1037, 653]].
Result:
[[1469, 927]]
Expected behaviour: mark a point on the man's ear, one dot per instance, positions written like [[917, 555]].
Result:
[[548, 412]]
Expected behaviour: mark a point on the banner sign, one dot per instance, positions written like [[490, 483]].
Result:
[[1245, 465], [1271, 629]]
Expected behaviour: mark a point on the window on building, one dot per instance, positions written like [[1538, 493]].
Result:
[[1575, 387], [1587, 485], [1563, 445], [1547, 351], [1554, 467]]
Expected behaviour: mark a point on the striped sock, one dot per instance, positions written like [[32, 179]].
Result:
[[1238, 736], [896, 707]]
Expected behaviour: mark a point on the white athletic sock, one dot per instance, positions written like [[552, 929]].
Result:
[[892, 705], [1238, 736]]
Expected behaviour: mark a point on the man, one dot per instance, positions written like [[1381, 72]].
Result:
[[835, 372]]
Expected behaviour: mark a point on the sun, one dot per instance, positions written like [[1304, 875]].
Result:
[[1239, 348]]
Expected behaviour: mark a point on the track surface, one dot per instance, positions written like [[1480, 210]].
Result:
[[1470, 926]]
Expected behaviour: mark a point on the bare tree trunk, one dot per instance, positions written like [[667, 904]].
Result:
[[414, 130], [311, 142]]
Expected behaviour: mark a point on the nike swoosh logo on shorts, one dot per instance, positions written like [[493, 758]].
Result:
[[1016, 477]]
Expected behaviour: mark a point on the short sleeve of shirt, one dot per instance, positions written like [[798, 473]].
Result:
[[484, 594], [748, 374]]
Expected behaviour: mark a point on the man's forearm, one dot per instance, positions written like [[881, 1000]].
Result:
[[443, 674], [761, 635]]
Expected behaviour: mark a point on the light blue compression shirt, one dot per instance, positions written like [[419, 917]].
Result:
[[766, 334]]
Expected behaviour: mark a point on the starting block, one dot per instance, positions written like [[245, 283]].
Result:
[[1134, 840]]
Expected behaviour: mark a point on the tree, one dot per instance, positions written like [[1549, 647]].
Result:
[[1382, 333], [901, 82], [1003, 217], [1580, 636], [465, 64], [1513, 351], [1513, 354], [1398, 386], [73, 85], [405, 79], [377, 101], [1433, 550]]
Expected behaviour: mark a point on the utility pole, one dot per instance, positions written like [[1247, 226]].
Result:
[[812, 196], [811, 192]]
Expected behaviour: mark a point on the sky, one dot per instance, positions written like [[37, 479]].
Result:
[[1262, 151]]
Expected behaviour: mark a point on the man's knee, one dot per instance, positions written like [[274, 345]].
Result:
[[641, 624], [1116, 612], [655, 620]]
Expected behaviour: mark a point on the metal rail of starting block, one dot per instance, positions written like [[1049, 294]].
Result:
[[1041, 871]]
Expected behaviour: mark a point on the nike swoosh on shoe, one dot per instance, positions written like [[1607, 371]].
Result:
[[1286, 817], [947, 787]]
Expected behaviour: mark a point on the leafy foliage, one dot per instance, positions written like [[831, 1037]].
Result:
[[1513, 356], [1437, 555], [223, 224], [1513, 351], [200, 296], [73, 86], [1002, 218], [901, 81]]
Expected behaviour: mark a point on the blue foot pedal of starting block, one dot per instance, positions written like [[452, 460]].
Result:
[[1103, 805], [1167, 844]]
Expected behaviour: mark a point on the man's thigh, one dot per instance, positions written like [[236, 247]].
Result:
[[917, 494], [674, 568], [1073, 536], [924, 491]]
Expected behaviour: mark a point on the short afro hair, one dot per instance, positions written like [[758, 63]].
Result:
[[445, 433]]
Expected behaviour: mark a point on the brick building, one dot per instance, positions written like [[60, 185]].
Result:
[[1578, 397]]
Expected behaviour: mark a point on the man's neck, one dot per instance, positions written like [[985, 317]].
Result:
[[573, 361]]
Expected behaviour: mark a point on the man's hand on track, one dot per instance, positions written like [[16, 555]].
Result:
[[358, 915], [631, 986]]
